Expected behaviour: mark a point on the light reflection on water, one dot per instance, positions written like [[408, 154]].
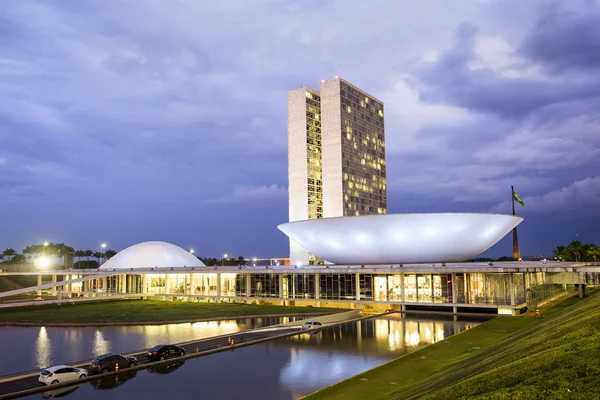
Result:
[[286, 368], [43, 348], [30, 348]]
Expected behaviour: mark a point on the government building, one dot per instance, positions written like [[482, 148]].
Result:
[[336, 156]]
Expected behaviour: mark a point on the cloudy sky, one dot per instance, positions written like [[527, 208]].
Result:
[[125, 121]]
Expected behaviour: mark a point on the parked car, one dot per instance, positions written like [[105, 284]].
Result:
[[108, 363], [61, 374], [164, 351], [311, 324]]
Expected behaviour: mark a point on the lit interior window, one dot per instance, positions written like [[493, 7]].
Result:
[[380, 113], [349, 109]]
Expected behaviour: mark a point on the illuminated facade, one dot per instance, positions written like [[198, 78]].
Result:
[[401, 238], [336, 156], [504, 288], [305, 172], [354, 169]]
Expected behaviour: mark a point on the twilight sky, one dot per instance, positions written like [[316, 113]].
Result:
[[125, 121]]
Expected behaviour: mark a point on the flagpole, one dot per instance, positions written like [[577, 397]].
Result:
[[516, 253]]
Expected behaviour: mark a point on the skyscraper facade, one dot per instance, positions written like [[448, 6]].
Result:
[[305, 168], [336, 156], [354, 167]]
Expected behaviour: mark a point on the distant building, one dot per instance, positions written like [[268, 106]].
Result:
[[336, 156]]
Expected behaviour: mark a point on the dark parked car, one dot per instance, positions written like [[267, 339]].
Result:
[[108, 363], [164, 351]]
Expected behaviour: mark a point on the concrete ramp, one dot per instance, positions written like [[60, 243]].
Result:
[[328, 319]]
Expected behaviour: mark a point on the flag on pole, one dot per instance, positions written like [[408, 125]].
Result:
[[517, 198]]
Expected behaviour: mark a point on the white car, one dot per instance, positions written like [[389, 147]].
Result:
[[61, 374], [311, 324]]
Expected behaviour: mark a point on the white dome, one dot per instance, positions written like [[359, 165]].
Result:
[[400, 238], [152, 254]]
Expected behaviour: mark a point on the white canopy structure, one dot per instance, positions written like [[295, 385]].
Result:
[[400, 238], [151, 255]]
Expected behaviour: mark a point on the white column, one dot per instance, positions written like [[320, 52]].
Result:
[[54, 288], [218, 285], [145, 285], [70, 286], [39, 282], [192, 285], [454, 291], [167, 286], [357, 285], [248, 285], [280, 281], [512, 290], [402, 294]]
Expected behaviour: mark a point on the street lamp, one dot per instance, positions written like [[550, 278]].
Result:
[[223, 259], [191, 251], [46, 244], [102, 247]]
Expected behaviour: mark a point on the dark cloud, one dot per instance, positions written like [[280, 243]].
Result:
[[452, 79], [566, 41]]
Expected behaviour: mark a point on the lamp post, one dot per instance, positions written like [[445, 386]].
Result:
[[102, 247], [223, 259], [46, 244], [191, 251]]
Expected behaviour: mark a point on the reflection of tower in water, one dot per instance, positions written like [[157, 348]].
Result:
[[43, 349]]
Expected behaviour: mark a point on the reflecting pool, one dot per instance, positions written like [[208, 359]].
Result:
[[39, 347], [281, 369]]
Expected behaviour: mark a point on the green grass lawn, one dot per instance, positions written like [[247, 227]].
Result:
[[143, 311], [553, 357]]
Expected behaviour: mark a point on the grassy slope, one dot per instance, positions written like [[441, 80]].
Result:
[[524, 358], [142, 311]]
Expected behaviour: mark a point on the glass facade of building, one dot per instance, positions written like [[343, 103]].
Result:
[[314, 162], [411, 288], [363, 152]]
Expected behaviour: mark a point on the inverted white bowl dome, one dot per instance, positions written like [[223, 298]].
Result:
[[152, 254], [400, 238]]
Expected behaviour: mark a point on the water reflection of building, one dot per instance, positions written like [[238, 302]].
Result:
[[327, 356]]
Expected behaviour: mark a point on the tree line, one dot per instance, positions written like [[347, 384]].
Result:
[[577, 251], [60, 250], [229, 261]]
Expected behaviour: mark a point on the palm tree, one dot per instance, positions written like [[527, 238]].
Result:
[[79, 254], [593, 252], [9, 253], [109, 253], [562, 253], [88, 254], [98, 256], [577, 249]]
